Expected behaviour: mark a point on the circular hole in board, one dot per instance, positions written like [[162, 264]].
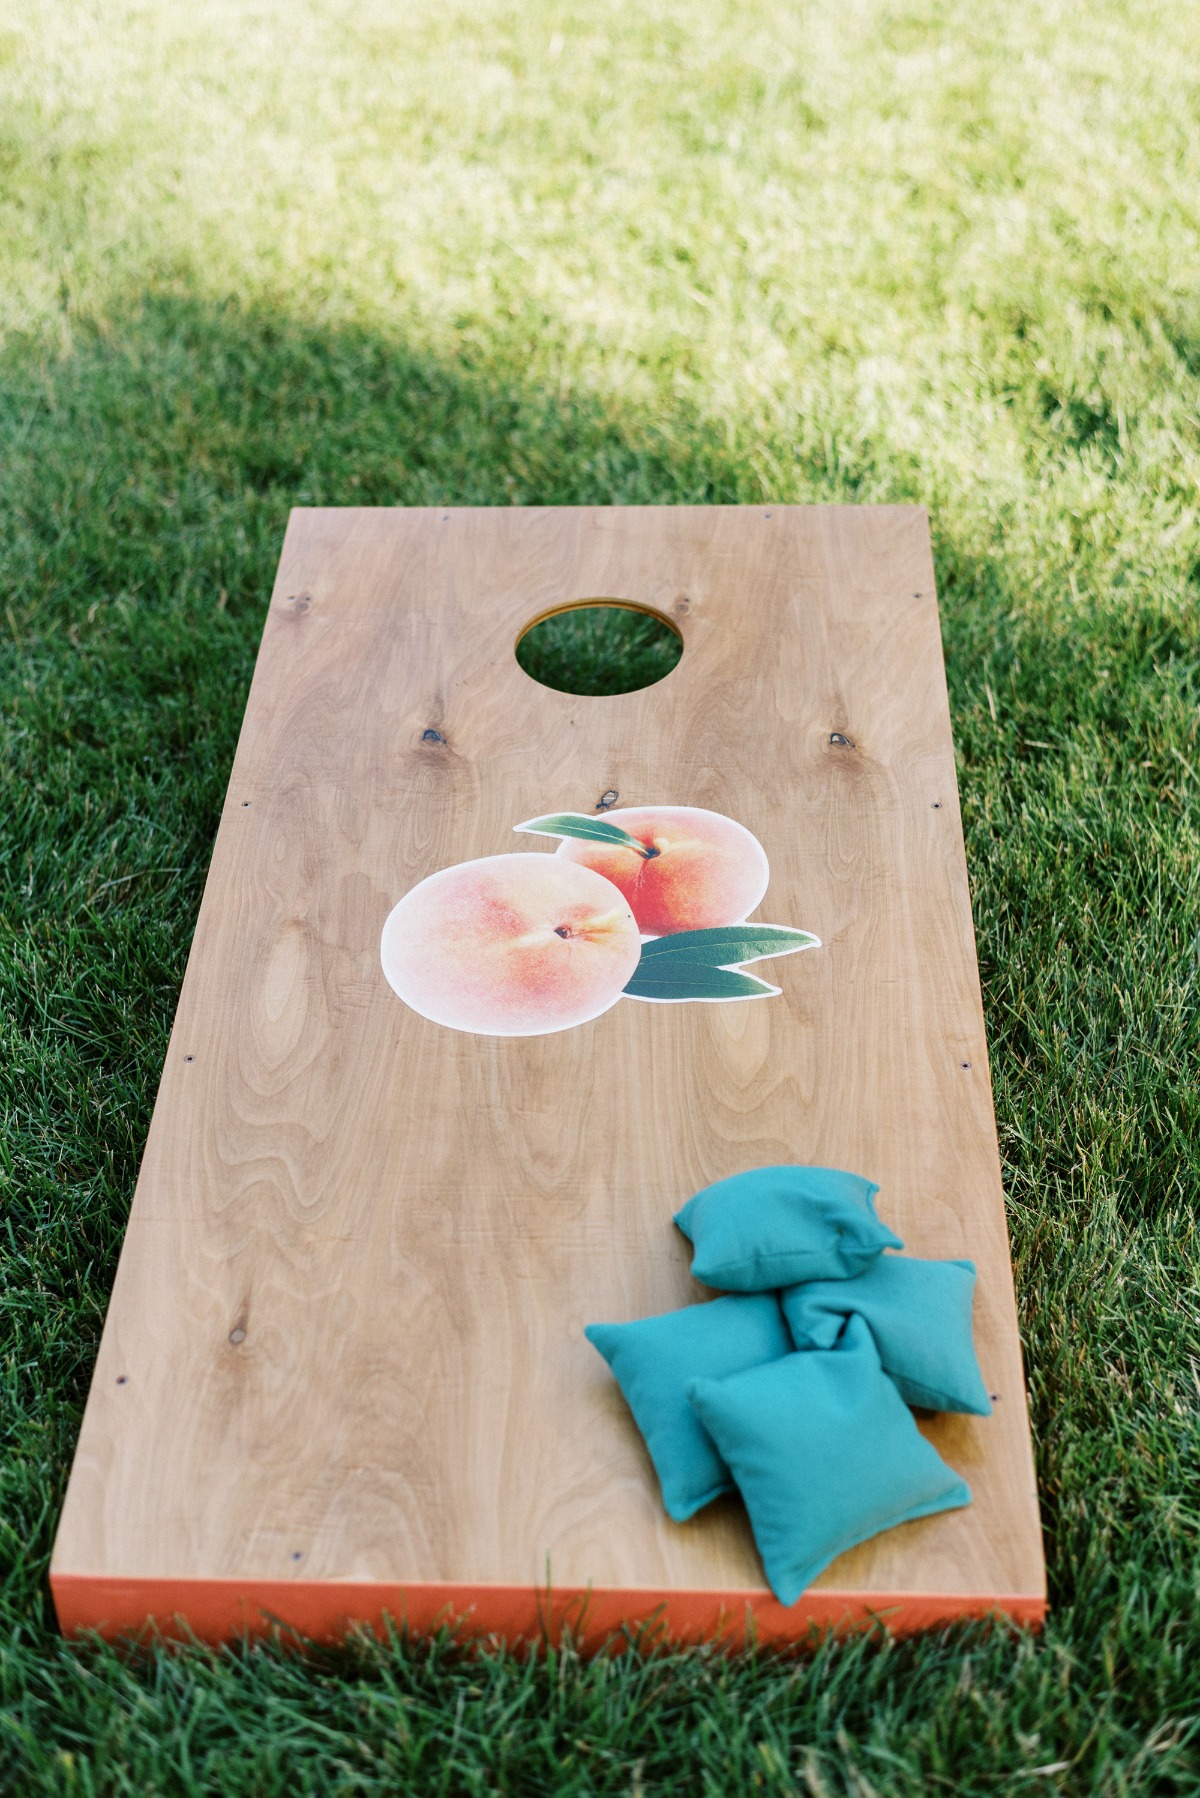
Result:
[[598, 647]]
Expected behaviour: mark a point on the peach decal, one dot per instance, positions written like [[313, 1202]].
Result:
[[513, 945], [680, 868], [649, 902]]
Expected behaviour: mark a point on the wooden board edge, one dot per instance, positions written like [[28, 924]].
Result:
[[221, 1610]]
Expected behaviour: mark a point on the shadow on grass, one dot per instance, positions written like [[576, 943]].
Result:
[[146, 481]]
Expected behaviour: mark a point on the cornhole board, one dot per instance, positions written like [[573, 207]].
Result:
[[343, 1373]]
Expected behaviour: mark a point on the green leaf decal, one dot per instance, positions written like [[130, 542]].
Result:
[[584, 826], [729, 946], [704, 964], [677, 980]]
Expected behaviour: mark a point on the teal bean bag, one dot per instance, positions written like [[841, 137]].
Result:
[[775, 1226], [919, 1313], [654, 1358], [825, 1453]]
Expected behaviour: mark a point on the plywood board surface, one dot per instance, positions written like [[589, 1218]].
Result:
[[344, 1369]]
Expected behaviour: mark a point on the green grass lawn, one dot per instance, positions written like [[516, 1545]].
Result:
[[262, 254]]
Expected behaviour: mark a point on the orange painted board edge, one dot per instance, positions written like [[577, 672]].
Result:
[[220, 1610]]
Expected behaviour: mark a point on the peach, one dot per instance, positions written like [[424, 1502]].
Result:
[[696, 869], [511, 945]]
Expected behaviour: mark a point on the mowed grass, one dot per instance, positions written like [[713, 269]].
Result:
[[260, 255]]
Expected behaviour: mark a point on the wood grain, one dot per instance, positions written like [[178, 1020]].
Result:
[[345, 1340]]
